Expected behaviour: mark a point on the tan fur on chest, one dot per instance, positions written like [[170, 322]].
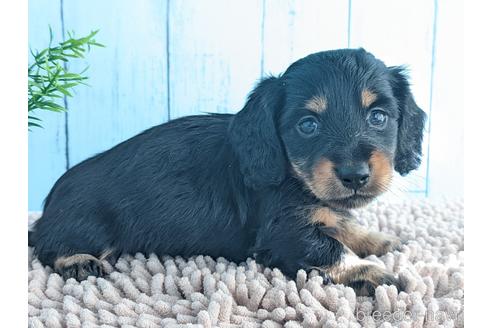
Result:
[[324, 216]]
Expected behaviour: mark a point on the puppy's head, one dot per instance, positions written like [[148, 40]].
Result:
[[340, 121]]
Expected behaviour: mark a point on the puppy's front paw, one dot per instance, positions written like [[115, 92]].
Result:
[[385, 243], [79, 266], [369, 277], [362, 275], [377, 243]]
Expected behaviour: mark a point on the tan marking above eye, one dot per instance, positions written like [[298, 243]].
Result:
[[367, 98], [317, 104]]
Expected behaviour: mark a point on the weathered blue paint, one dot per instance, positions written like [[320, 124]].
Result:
[[169, 58], [431, 92], [128, 78], [214, 54], [296, 28], [46, 146]]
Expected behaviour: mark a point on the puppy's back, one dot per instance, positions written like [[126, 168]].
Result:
[[161, 191]]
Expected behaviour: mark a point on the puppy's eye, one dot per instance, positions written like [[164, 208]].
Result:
[[307, 126], [377, 118]]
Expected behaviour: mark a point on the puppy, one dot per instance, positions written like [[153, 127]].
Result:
[[276, 181]]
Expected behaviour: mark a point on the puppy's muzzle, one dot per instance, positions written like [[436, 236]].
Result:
[[353, 176]]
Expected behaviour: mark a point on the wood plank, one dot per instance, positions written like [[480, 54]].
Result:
[[294, 29], [447, 136], [400, 32], [128, 78], [46, 146], [214, 54]]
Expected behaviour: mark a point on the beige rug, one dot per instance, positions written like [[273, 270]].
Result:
[[201, 292]]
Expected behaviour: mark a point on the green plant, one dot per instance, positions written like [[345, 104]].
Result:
[[50, 79]]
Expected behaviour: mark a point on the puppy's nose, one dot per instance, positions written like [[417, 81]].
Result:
[[353, 176]]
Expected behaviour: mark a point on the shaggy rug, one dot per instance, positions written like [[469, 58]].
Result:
[[203, 292]]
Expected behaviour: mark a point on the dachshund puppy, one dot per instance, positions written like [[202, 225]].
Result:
[[276, 181]]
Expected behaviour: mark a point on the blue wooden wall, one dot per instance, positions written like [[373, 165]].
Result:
[[168, 58]]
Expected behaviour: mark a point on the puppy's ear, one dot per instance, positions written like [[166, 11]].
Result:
[[410, 124], [254, 138]]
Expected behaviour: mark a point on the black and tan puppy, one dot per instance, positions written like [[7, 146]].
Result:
[[275, 182]]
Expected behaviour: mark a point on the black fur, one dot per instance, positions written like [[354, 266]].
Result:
[[223, 185], [254, 138], [411, 124]]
